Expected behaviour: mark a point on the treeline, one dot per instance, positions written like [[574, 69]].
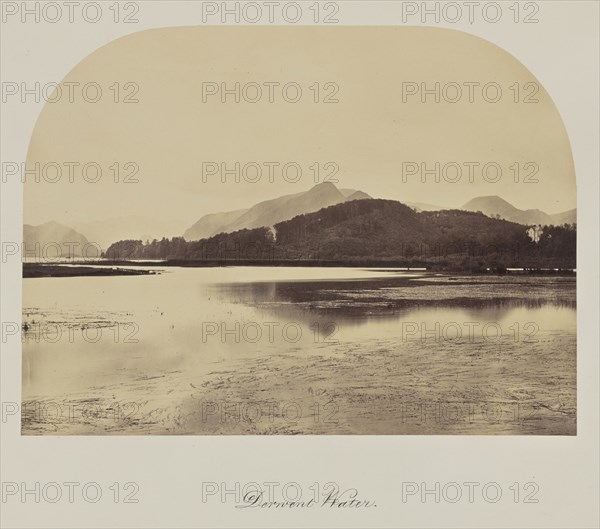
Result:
[[374, 230]]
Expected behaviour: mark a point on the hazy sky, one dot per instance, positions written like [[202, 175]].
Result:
[[369, 133]]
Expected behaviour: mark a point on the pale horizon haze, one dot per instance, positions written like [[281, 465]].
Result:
[[369, 132]]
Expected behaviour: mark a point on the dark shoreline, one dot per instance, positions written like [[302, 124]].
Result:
[[111, 267], [56, 270]]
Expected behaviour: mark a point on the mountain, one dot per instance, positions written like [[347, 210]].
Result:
[[567, 217], [495, 206], [270, 212], [211, 224], [357, 195], [373, 231], [421, 206], [52, 239], [389, 230], [105, 232], [348, 192]]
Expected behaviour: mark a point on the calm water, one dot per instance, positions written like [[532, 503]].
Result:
[[299, 350]]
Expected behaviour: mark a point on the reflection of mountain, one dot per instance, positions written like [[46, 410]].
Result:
[[357, 301], [270, 212], [51, 240], [494, 205]]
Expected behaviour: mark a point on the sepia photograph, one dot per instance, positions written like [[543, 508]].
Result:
[[273, 240], [299, 264]]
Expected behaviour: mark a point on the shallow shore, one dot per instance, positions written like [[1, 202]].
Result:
[[78, 270], [384, 388], [111, 267], [390, 367]]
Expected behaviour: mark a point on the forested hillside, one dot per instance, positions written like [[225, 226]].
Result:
[[371, 231]]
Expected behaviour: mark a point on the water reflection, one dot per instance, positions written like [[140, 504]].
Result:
[[370, 341], [388, 299]]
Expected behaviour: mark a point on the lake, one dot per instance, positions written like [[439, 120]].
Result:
[[275, 350]]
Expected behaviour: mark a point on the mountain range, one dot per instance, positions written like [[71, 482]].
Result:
[[495, 206], [263, 214], [99, 235], [374, 232], [104, 232], [52, 239], [270, 212]]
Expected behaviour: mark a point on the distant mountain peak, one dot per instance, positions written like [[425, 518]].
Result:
[[323, 187], [52, 224], [358, 195], [494, 205], [38, 238], [270, 212], [488, 199]]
